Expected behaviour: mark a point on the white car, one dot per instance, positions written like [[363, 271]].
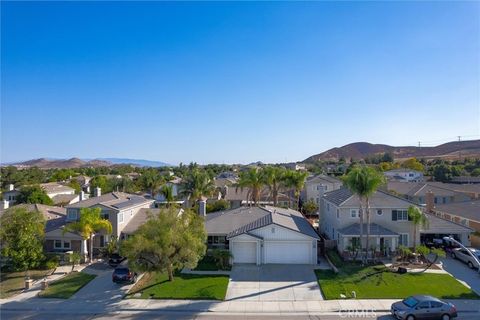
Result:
[[463, 255]]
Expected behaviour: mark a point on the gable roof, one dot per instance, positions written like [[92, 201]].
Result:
[[438, 225], [137, 220], [323, 178], [380, 199], [55, 217], [466, 209], [113, 200], [54, 187], [375, 230]]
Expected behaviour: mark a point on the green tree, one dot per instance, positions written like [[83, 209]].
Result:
[[151, 181], [252, 179], [364, 181], [295, 180], [34, 194], [197, 184], [88, 225], [413, 164], [167, 192], [21, 237], [418, 218], [167, 242], [222, 258], [475, 172], [75, 259], [75, 185], [310, 207], [272, 177]]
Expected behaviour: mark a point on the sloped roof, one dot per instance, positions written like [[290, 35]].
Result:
[[64, 198], [54, 187], [466, 209], [323, 178], [55, 217], [375, 230], [380, 199], [139, 219], [113, 200], [443, 226]]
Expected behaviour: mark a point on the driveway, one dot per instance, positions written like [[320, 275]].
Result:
[[102, 288], [273, 282], [463, 273]]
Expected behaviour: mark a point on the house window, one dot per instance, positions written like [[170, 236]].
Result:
[[379, 212], [72, 215], [66, 244], [120, 217], [435, 200], [400, 215], [354, 213], [105, 215], [328, 206], [58, 244], [325, 188], [444, 199], [403, 239], [338, 214], [355, 242], [273, 230]]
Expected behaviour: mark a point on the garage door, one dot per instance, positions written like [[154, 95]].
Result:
[[288, 252], [244, 252]]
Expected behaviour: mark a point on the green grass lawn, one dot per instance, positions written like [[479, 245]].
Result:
[[185, 286], [12, 283], [67, 286], [377, 282]]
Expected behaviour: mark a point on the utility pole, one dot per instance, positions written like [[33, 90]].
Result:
[[459, 151], [419, 144]]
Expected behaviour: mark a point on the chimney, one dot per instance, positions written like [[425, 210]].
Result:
[[202, 207], [10, 187], [5, 204], [429, 201], [81, 196], [97, 192]]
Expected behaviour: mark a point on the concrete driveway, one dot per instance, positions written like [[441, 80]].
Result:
[[462, 272], [273, 282], [102, 288]]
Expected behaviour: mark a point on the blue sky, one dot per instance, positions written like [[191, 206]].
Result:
[[234, 82]]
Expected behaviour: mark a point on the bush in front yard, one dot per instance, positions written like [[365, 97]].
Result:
[[222, 258]]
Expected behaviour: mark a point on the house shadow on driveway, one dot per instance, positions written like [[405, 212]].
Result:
[[273, 282]]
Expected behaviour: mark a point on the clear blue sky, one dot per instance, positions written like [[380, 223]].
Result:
[[234, 82]]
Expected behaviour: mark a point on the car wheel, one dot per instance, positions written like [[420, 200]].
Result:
[[446, 317], [411, 317], [470, 264], [453, 255]]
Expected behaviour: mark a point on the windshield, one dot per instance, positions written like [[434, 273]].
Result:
[[121, 271], [410, 302]]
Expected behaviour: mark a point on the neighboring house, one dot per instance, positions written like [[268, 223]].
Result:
[[295, 166], [65, 199], [416, 192], [84, 182], [316, 186], [176, 184], [263, 235], [466, 180], [390, 224], [11, 194], [117, 207], [466, 213], [238, 197], [52, 189], [472, 191], [404, 175]]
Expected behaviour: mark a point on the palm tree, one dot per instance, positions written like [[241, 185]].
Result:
[[363, 181], [151, 181], [197, 184], [272, 177], [253, 180], [418, 218], [167, 191], [295, 180], [90, 222]]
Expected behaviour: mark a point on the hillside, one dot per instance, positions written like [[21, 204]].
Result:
[[45, 163], [360, 150]]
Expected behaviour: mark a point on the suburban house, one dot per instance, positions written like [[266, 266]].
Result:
[[238, 197], [466, 213], [390, 225], [175, 183], [117, 207], [59, 193], [262, 235], [404, 175], [416, 192], [316, 186]]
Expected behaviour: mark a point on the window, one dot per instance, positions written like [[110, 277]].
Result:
[[328, 206], [355, 242], [379, 212], [400, 215], [435, 200], [120, 217], [444, 199], [66, 244], [436, 304], [354, 213], [325, 188], [338, 214], [58, 244], [273, 230], [105, 215], [72, 215], [424, 305], [403, 239]]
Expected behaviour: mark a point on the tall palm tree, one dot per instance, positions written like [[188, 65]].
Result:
[[253, 180], [151, 181], [197, 184], [418, 218], [88, 225], [364, 181], [295, 180], [272, 177], [167, 191]]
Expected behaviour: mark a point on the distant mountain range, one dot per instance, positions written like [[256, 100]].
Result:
[[361, 150], [45, 163]]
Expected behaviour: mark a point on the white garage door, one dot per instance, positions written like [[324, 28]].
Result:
[[288, 252], [244, 252]]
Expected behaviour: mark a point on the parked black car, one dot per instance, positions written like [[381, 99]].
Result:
[[423, 307], [115, 260], [124, 275]]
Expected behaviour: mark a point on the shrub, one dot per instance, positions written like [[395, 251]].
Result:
[[222, 258], [335, 258], [51, 262], [218, 205]]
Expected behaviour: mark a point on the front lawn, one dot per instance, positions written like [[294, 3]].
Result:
[[12, 283], [67, 286], [184, 286], [377, 282]]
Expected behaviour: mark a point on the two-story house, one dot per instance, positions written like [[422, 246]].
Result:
[[390, 224], [316, 186], [417, 191]]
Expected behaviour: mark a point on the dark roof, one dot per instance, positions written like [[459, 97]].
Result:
[[339, 196], [114, 200], [466, 209], [55, 217], [379, 199], [375, 230]]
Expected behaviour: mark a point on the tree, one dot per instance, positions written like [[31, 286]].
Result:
[[88, 225], [418, 218], [167, 192], [197, 184], [34, 194], [253, 180], [475, 172], [295, 180], [222, 258], [75, 185], [151, 180], [75, 259], [272, 177], [413, 164], [218, 205], [166, 242], [310, 207], [364, 181], [21, 237], [111, 247]]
